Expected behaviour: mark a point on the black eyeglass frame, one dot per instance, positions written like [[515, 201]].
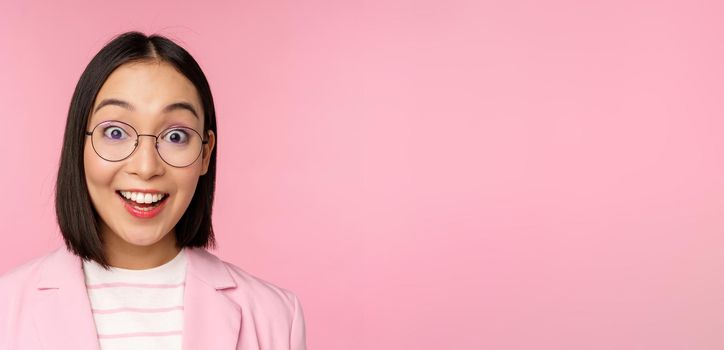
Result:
[[135, 145]]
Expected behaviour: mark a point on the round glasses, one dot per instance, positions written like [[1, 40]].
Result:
[[115, 141]]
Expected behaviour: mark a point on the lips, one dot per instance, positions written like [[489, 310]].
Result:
[[144, 205], [140, 191]]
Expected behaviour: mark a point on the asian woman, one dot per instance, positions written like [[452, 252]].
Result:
[[134, 197]]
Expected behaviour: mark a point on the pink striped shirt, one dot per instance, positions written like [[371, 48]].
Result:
[[137, 309]]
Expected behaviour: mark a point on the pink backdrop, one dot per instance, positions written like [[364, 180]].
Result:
[[429, 175]]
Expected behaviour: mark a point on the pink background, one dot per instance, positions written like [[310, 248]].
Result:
[[429, 175]]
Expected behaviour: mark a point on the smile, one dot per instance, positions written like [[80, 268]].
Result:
[[143, 205]]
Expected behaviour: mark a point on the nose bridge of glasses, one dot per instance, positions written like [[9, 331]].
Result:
[[154, 143], [154, 152], [155, 138]]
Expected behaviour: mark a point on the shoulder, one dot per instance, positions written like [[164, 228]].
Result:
[[245, 288], [22, 277], [268, 309], [260, 292], [17, 287], [258, 288]]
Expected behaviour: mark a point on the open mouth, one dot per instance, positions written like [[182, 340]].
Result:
[[154, 202]]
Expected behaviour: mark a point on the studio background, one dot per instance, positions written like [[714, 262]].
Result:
[[428, 174]]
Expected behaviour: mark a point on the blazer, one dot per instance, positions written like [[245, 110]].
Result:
[[44, 305]]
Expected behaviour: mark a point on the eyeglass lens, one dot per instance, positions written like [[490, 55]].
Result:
[[115, 141]]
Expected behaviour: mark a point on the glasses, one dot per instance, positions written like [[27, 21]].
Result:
[[115, 141]]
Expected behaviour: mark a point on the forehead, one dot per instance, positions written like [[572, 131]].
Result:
[[149, 87]]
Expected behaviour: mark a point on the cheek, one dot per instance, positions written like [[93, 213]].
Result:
[[98, 173], [186, 182]]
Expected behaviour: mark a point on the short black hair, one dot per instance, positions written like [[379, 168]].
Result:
[[78, 220]]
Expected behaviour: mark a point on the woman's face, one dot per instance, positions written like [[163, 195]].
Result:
[[145, 89]]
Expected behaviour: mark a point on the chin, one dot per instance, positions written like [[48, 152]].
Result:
[[141, 239]]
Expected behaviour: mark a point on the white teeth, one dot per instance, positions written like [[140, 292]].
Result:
[[142, 198]]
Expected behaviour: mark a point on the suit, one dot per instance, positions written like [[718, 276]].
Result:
[[44, 305]]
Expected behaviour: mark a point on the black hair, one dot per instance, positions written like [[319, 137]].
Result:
[[78, 220]]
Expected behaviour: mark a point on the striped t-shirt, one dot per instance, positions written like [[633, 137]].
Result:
[[137, 309]]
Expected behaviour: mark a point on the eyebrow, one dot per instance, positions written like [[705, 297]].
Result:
[[172, 107]]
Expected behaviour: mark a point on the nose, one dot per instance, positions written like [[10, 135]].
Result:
[[145, 160]]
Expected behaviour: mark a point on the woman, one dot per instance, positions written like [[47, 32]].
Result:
[[134, 197]]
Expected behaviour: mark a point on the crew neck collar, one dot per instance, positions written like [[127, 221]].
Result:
[[172, 270]]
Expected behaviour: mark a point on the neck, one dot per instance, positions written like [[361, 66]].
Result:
[[122, 254]]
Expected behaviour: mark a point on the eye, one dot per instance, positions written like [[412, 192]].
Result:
[[176, 136], [114, 133]]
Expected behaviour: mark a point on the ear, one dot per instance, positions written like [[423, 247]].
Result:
[[206, 156]]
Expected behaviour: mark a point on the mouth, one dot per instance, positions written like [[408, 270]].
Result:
[[143, 204]]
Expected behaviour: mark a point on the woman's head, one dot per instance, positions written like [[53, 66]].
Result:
[[151, 90]]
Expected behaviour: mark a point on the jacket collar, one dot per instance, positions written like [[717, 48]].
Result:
[[62, 268], [63, 307]]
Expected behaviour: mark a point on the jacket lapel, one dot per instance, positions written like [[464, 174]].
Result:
[[63, 314], [211, 319], [62, 309]]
